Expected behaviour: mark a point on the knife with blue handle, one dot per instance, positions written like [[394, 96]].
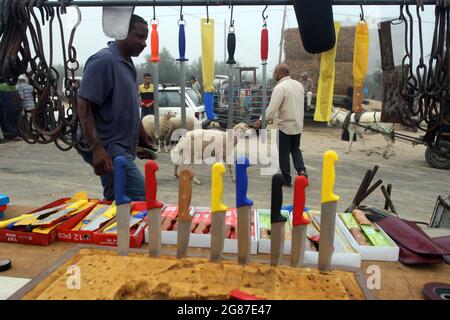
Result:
[[243, 205]]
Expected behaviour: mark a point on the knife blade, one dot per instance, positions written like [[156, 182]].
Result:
[[299, 222], [122, 206], [218, 211], [153, 209], [27, 219], [243, 205], [60, 215], [184, 218], [328, 213], [277, 221]]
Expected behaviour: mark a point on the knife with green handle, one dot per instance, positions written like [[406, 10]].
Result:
[[184, 218], [328, 213], [122, 206], [153, 209], [218, 211], [277, 221]]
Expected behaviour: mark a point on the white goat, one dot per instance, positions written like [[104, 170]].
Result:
[[165, 128], [212, 145], [368, 121]]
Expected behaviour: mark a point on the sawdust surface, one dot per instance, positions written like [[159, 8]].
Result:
[[106, 276]]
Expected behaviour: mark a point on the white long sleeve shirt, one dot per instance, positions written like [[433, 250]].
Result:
[[286, 107]]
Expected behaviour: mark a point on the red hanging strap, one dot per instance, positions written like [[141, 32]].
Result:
[[154, 38], [264, 44]]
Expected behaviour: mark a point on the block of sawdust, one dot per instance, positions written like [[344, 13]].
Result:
[[104, 275]]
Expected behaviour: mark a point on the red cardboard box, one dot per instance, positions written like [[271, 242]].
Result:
[[201, 221], [66, 234], [136, 233], [23, 236]]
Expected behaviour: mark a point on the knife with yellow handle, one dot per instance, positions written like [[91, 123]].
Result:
[[218, 211], [328, 213]]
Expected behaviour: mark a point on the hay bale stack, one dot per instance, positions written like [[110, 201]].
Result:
[[344, 50], [344, 77], [297, 66], [293, 46], [300, 61]]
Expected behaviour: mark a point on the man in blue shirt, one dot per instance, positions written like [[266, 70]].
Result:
[[108, 108]]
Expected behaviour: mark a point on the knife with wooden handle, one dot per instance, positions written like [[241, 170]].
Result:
[[328, 213], [299, 222], [218, 211], [122, 206], [184, 218], [153, 209], [243, 205], [277, 221]]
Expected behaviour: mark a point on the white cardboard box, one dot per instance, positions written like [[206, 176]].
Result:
[[345, 259], [204, 240], [264, 244], [370, 252]]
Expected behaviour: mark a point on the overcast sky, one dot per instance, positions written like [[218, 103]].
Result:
[[248, 22]]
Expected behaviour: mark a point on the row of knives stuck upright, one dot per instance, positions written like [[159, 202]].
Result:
[[243, 205]]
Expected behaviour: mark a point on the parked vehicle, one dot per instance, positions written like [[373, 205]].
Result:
[[169, 99]]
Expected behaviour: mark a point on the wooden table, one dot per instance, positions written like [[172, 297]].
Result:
[[397, 280]]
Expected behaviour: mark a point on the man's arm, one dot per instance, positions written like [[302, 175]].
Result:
[[275, 103], [101, 161]]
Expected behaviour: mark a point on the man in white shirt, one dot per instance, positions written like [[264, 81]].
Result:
[[286, 109]]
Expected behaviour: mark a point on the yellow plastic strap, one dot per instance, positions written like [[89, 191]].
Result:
[[328, 176], [361, 53], [208, 54], [360, 62], [218, 171], [325, 90], [77, 205], [79, 196]]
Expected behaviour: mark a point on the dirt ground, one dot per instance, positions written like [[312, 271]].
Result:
[[37, 174]]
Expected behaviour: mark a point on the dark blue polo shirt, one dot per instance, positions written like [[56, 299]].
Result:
[[110, 83]]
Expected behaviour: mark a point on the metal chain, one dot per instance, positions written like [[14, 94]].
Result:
[[22, 52], [426, 90]]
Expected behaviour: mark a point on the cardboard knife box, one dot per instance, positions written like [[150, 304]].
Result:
[[375, 253]]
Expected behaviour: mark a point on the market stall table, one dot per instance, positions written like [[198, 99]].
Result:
[[397, 281]]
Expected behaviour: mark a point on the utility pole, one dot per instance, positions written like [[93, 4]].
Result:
[[225, 41], [282, 34]]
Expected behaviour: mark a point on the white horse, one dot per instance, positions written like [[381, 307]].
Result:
[[369, 123]]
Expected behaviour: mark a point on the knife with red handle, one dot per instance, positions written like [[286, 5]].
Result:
[[153, 209], [300, 223]]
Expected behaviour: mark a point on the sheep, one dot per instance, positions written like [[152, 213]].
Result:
[[206, 138], [165, 128], [191, 123]]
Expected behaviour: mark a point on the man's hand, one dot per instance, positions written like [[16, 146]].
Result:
[[257, 124], [101, 161], [149, 105]]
